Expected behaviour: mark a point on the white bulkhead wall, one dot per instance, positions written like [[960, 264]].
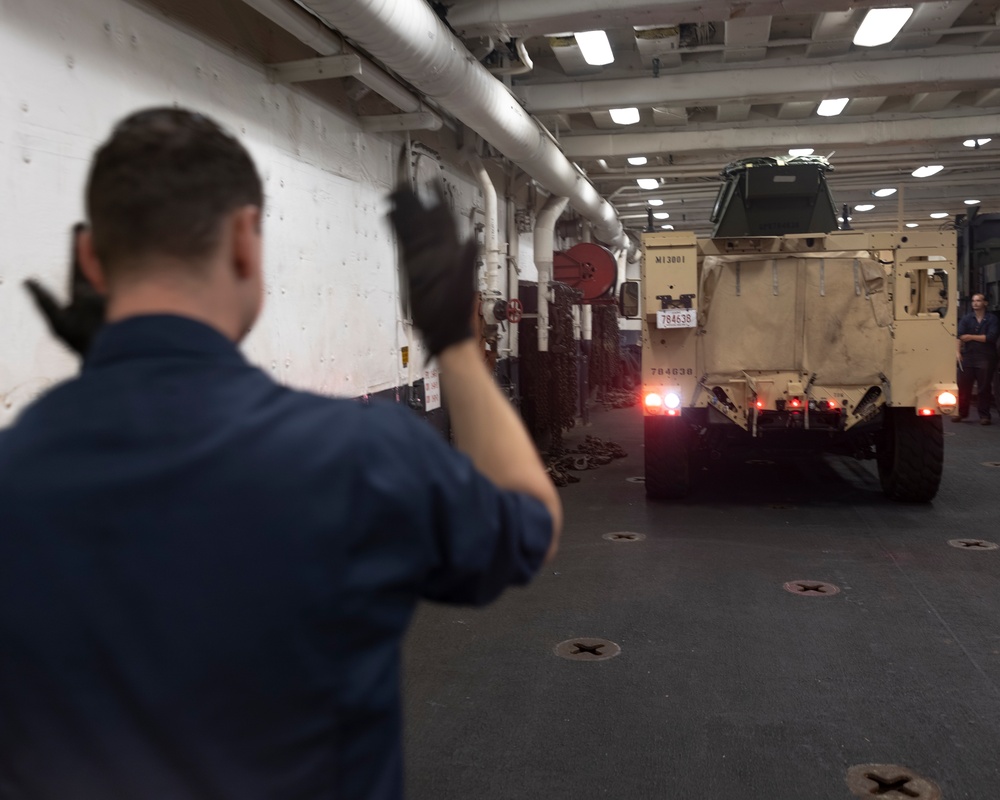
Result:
[[69, 71]]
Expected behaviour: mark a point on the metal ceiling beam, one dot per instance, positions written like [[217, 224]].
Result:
[[523, 18], [923, 28], [907, 75], [769, 139], [309, 30]]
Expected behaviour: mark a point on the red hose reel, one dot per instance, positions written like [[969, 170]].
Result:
[[588, 268]]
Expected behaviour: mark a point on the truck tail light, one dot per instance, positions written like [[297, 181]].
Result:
[[795, 402], [926, 412], [672, 400], [946, 399], [653, 400]]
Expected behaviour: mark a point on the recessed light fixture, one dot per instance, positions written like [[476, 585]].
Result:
[[667, 227], [976, 142], [926, 172], [804, 151], [883, 192], [939, 215], [655, 202], [661, 215], [648, 183], [881, 25], [864, 207], [595, 48], [972, 202], [831, 108], [637, 161], [912, 224], [624, 116]]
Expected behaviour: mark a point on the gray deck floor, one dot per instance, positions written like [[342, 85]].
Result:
[[727, 685]]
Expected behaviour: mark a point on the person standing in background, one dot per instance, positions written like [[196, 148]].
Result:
[[977, 359]]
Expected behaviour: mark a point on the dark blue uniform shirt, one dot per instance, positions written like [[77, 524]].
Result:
[[205, 576], [989, 327]]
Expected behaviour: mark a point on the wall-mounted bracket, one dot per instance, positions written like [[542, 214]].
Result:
[[318, 69], [417, 121]]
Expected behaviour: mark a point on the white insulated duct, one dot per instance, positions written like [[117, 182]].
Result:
[[491, 233], [310, 31], [409, 38], [787, 84], [545, 245], [587, 322], [766, 139], [513, 290]]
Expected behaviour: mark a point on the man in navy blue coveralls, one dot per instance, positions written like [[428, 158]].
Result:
[[977, 359], [205, 576]]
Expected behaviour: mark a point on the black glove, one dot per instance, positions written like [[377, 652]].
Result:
[[77, 323], [439, 271]]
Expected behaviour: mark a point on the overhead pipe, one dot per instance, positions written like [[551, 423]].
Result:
[[545, 245], [409, 38], [523, 68], [311, 31]]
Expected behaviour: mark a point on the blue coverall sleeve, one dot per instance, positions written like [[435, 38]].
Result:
[[992, 329], [473, 538]]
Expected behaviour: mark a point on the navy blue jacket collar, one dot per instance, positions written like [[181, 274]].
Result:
[[158, 336]]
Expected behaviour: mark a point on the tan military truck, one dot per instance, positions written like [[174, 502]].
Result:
[[839, 340]]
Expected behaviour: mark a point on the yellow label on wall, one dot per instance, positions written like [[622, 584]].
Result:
[[406, 356]]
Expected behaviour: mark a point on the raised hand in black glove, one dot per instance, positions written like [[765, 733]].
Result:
[[77, 323], [439, 270]]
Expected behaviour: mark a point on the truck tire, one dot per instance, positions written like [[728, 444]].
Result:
[[668, 458], [910, 455]]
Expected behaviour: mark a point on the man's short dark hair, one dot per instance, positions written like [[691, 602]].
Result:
[[163, 183]]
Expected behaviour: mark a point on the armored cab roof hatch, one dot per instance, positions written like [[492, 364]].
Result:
[[774, 197]]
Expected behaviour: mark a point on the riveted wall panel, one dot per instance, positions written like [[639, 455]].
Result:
[[68, 71]]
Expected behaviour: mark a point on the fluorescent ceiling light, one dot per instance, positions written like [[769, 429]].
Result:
[[976, 142], [655, 202], [830, 108], [661, 215], [864, 207], [637, 161], [881, 25], [926, 172], [624, 116], [667, 227], [805, 151], [939, 215], [648, 183], [595, 48], [972, 202], [884, 192], [912, 224]]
